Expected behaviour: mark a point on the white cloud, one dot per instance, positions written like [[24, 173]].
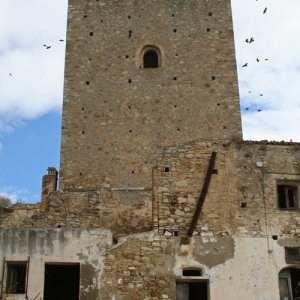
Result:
[[35, 85]]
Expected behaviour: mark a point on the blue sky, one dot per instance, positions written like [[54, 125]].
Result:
[[31, 82]]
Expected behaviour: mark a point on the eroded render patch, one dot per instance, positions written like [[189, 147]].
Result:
[[199, 253], [213, 253], [88, 289]]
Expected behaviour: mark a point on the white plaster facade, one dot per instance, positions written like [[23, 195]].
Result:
[[68, 245]]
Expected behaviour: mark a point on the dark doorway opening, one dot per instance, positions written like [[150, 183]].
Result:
[[61, 282], [295, 280], [197, 290], [289, 284]]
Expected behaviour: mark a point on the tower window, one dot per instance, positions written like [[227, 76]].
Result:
[[150, 59]]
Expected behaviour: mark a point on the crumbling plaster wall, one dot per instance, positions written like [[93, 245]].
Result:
[[258, 187], [69, 245], [146, 266], [240, 249]]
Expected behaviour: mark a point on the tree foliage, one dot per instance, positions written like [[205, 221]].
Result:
[[5, 201]]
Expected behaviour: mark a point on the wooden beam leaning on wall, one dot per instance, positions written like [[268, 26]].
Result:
[[210, 171]]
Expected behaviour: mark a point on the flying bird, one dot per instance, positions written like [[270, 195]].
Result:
[[259, 110], [61, 40], [265, 10], [266, 59], [261, 95], [245, 65], [46, 46], [249, 41], [249, 92], [257, 60], [10, 74], [247, 108]]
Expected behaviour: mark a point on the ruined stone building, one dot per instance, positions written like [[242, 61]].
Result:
[[159, 197]]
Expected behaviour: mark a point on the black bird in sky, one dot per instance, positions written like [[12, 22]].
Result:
[[249, 41], [265, 10], [245, 65], [10, 74], [259, 110], [261, 95], [46, 46], [257, 60], [61, 40]]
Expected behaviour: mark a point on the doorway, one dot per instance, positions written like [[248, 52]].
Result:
[[289, 284], [62, 281], [195, 290]]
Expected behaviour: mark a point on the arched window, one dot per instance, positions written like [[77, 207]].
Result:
[[150, 59]]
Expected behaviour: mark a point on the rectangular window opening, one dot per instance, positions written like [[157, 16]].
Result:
[[192, 272], [16, 277], [292, 255], [287, 196]]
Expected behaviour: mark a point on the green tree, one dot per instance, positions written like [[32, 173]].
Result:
[[5, 201]]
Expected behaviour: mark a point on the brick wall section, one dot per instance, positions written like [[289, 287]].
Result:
[[112, 128]]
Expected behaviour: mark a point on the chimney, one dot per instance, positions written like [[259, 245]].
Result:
[[49, 182]]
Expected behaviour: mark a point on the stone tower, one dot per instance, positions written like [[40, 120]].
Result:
[[119, 110], [159, 198]]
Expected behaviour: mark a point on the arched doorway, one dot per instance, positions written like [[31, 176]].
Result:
[[289, 283]]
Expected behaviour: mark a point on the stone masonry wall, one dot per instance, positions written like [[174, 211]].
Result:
[[242, 197], [116, 115], [122, 212], [146, 257]]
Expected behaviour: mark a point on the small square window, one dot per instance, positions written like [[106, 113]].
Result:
[[192, 272], [16, 277], [287, 196], [292, 255]]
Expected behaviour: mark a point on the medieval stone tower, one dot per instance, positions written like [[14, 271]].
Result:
[[159, 197], [120, 109]]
